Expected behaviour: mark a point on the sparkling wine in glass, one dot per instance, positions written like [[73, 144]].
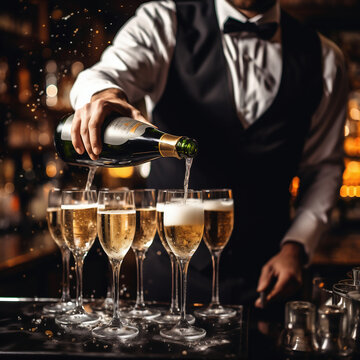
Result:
[[145, 203], [79, 230], [53, 217], [116, 222], [219, 223], [184, 227], [172, 316]]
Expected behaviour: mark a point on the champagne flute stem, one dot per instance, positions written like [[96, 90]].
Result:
[[79, 263], [65, 256], [177, 272], [139, 256], [110, 282], [183, 264], [174, 308], [215, 257], [116, 264]]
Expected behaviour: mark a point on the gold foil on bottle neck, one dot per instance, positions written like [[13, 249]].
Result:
[[167, 146]]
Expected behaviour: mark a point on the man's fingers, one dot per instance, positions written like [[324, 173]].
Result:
[[265, 278], [85, 137], [286, 284], [279, 288], [87, 123], [95, 122], [75, 133], [137, 115]]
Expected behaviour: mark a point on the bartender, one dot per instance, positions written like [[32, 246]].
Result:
[[265, 97]]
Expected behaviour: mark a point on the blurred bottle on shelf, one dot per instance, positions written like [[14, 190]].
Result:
[[9, 199]]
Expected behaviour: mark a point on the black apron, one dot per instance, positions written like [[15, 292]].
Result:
[[257, 163]]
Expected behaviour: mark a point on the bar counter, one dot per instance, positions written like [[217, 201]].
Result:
[[253, 334], [25, 333]]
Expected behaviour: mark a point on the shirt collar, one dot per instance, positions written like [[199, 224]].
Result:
[[225, 10]]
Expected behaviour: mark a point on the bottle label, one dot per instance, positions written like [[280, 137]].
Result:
[[118, 131]]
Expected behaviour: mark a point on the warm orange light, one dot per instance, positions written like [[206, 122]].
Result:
[[294, 186], [27, 163], [344, 191], [354, 113], [51, 169], [123, 172], [352, 146], [51, 90]]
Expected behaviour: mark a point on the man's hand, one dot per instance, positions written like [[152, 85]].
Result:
[[86, 125], [284, 270]]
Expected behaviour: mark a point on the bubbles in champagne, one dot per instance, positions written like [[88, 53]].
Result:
[[184, 227], [78, 223], [116, 229], [219, 222], [145, 228]]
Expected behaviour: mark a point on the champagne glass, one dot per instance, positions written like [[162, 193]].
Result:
[[172, 316], [145, 203], [218, 226], [116, 223], [106, 305], [78, 226], [184, 227], [53, 217]]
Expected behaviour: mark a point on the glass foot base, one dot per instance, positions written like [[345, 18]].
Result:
[[215, 311], [140, 314], [189, 333], [82, 319], [169, 318], [105, 305], [115, 332], [58, 308]]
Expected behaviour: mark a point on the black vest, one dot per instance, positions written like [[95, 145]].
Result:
[[259, 162]]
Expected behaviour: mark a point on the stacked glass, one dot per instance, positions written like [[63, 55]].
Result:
[[116, 223], [79, 230], [172, 316], [218, 226], [183, 227], [145, 205]]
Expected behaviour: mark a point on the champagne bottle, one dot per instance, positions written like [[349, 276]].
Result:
[[126, 142]]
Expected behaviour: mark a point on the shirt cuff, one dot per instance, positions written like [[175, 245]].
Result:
[[84, 96], [307, 230]]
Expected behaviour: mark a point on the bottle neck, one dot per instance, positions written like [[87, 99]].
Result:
[[167, 145]]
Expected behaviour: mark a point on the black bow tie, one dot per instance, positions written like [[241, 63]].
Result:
[[264, 31]]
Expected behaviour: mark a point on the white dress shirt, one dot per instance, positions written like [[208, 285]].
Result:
[[138, 63]]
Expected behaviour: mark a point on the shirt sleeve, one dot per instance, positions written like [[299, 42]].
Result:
[[321, 167], [137, 62]]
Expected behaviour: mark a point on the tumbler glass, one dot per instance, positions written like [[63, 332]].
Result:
[[299, 332]]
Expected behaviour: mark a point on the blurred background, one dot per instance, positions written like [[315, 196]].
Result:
[[44, 45]]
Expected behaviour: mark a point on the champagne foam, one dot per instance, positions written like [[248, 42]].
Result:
[[177, 214], [218, 205], [160, 207], [78, 206]]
